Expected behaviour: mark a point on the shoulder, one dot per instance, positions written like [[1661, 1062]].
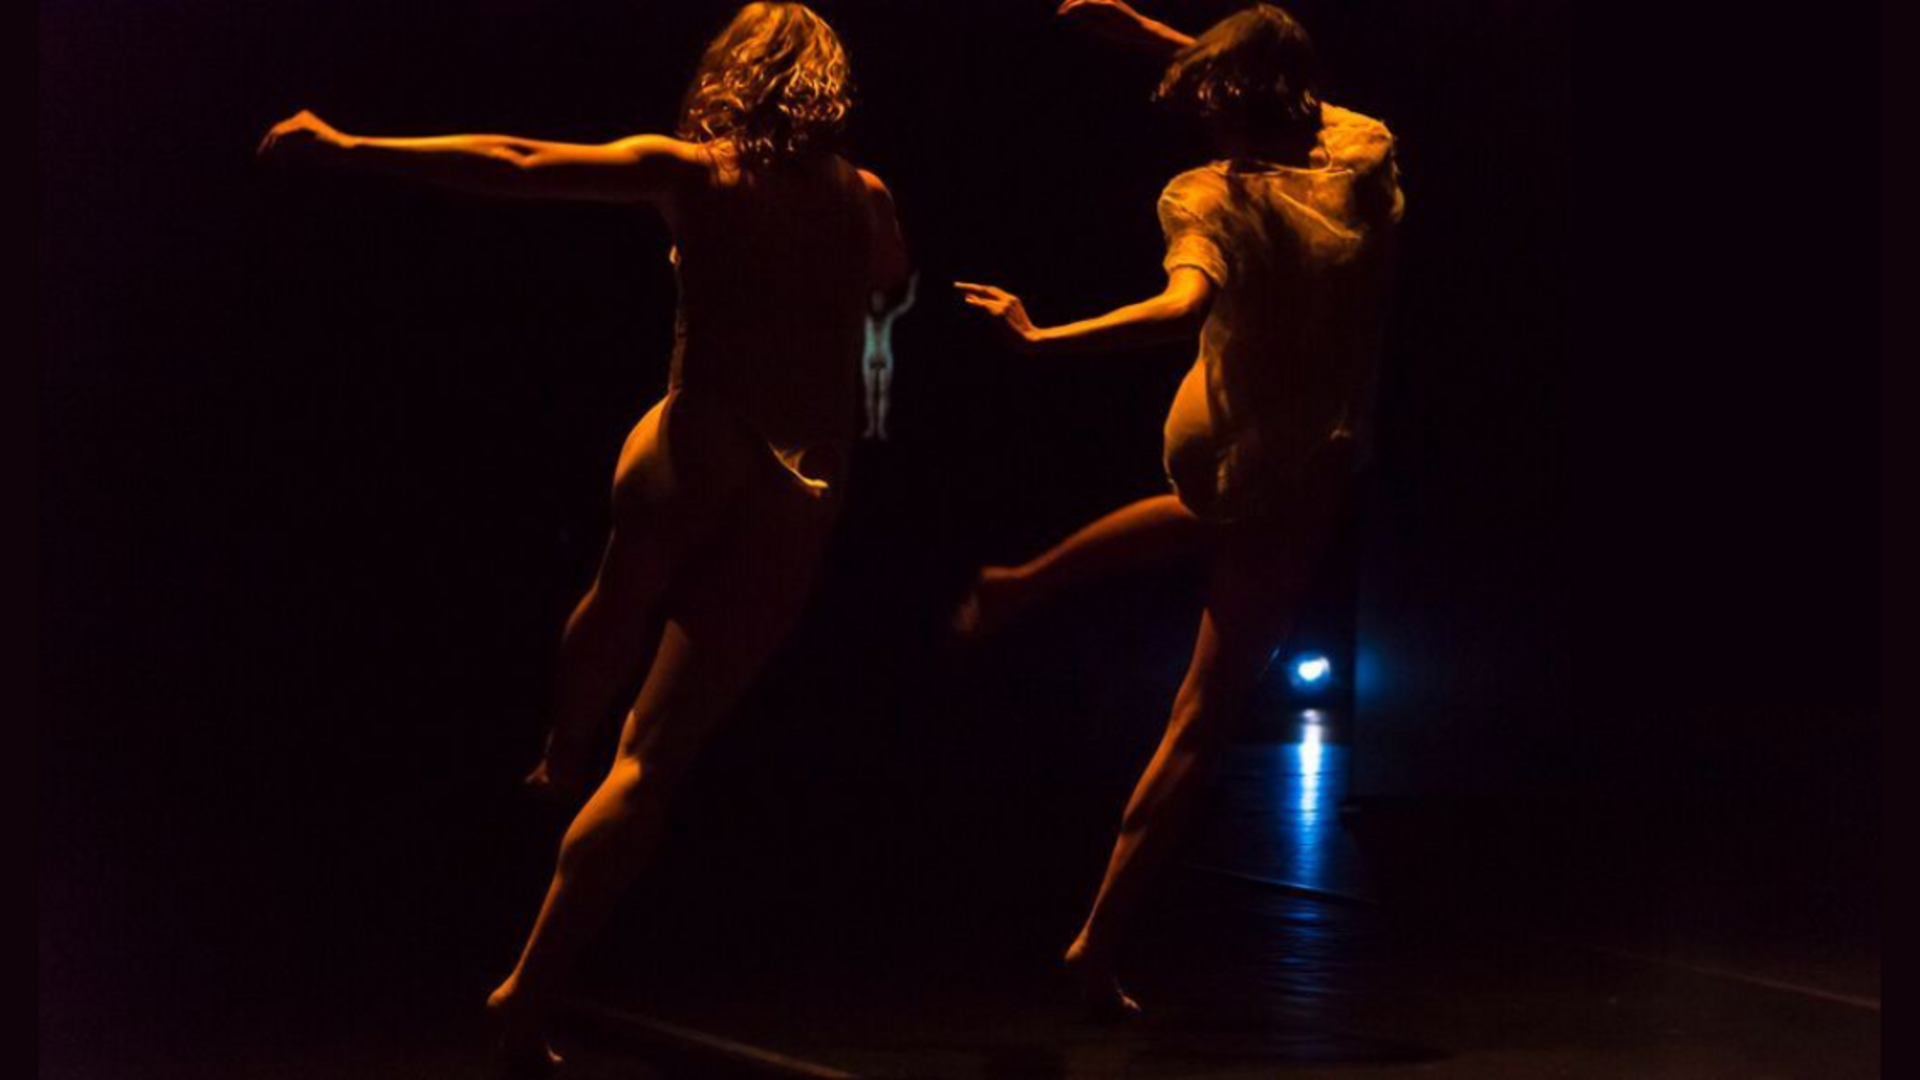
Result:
[[665, 165], [875, 187], [1349, 122], [1354, 139], [1364, 147], [872, 186], [1196, 191]]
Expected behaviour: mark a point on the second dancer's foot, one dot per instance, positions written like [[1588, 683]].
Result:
[[1098, 981], [519, 1025], [996, 598]]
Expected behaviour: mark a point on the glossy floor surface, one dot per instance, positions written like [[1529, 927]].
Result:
[[1301, 934]]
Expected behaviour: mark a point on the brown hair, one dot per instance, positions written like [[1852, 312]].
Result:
[[774, 83], [1254, 73]]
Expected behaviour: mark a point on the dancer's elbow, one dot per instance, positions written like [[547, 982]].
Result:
[[1187, 300]]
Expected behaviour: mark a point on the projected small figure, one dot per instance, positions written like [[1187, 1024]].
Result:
[[878, 365], [1277, 257], [727, 490]]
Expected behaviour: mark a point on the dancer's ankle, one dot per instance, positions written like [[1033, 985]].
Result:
[[1085, 951]]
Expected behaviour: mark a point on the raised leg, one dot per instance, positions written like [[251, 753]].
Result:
[[1141, 534]]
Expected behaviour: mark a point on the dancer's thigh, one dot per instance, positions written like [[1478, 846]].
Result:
[[1264, 566], [728, 611], [682, 469]]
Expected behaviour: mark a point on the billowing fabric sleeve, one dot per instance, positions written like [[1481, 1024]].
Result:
[[1379, 190], [1189, 241], [1365, 148]]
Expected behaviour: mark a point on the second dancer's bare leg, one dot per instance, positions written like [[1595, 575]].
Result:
[[1139, 535], [725, 616], [1261, 572]]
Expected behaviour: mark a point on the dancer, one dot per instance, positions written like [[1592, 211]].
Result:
[[878, 365], [1278, 255], [725, 492]]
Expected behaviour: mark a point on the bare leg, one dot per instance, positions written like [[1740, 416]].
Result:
[[612, 633], [732, 610], [1141, 534], [883, 399], [879, 383], [1260, 574], [661, 515]]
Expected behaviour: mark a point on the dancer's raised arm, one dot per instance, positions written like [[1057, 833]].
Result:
[[1117, 21], [1177, 312], [641, 168]]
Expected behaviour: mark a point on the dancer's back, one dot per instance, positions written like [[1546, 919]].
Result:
[[1301, 257], [775, 266]]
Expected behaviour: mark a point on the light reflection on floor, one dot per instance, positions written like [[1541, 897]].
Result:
[[1274, 809], [1309, 825], [1269, 864]]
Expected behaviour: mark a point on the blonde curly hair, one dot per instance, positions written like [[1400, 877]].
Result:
[[774, 83]]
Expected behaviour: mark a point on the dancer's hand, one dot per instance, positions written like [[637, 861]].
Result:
[[1117, 21], [885, 309], [1009, 315], [1108, 18], [298, 138], [913, 290]]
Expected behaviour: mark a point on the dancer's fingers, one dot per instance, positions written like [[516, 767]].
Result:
[[994, 308]]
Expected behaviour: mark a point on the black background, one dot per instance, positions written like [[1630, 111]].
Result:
[[323, 464]]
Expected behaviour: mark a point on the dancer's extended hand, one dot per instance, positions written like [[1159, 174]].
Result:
[[298, 137], [1117, 21], [1109, 18], [1009, 315]]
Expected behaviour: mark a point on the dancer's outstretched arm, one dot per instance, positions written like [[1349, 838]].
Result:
[[1117, 21], [1176, 313], [641, 168]]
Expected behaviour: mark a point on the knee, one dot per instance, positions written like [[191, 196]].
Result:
[[1202, 719], [643, 777], [626, 781], [634, 784], [1206, 704]]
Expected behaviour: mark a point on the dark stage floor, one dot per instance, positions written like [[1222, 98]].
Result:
[[1300, 936]]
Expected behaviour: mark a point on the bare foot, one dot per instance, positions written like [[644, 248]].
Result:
[[519, 1025], [1093, 972], [993, 601]]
